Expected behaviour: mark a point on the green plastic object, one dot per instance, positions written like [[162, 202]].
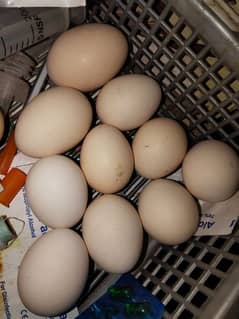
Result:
[[141, 309], [120, 293]]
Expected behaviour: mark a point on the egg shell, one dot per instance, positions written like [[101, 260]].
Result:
[[87, 56], [168, 212], [56, 191], [53, 273], [53, 122], [211, 171], [159, 147], [113, 233], [128, 101], [106, 159]]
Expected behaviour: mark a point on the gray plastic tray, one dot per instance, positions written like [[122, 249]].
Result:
[[194, 56]]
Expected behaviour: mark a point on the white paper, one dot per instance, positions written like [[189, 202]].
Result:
[[23, 162], [219, 218], [176, 176], [42, 3], [11, 306]]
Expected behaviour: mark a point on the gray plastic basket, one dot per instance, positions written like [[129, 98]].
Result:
[[194, 56]]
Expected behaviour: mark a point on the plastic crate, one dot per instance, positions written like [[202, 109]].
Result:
[[194, 56], [190, 51]]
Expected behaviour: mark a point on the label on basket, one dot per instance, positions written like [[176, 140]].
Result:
[[216, 218], [127, 298], [11, 306], [219, 218], [44, 3]]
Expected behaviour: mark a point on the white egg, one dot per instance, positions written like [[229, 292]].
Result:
[[53, 273], [113, 233], [53, 122], [57, 191], [168, 211], [106, 159], [128, 101]]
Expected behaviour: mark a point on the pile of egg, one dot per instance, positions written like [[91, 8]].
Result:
[[81, 60]]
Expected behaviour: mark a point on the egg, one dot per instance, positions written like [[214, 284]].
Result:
[[113, 233], [168, 211], [53, 122], [106, 159], [128, 101], [56, 191], [159, 147], [211, 171], [53, 273], [87, 56]]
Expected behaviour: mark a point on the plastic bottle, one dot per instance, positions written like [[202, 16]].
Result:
[[13, 87], [20, 28]]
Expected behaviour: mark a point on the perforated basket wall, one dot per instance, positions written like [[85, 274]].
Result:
[[200, 90], [198, 279]]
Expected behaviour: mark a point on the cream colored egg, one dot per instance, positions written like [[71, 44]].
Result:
[[88, 56], [53, 273], [168, 211], [106, 159], [211, 171], [128, 101], [159, 147], [113, 233], [57, 191], [55, 121]]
